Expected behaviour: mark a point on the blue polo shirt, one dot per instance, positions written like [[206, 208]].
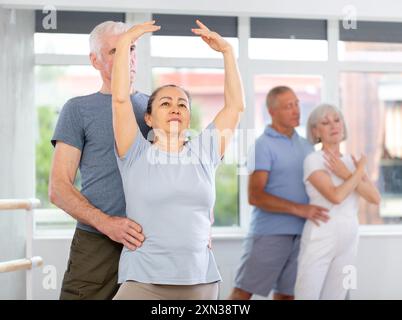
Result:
[[283, 158]]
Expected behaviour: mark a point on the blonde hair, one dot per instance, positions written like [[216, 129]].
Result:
[[317, 114]]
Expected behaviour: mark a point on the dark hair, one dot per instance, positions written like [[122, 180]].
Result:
[[274, 93], [153, 96]]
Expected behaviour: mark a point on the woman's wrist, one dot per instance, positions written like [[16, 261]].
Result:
[[228, 50], [360, 171], [124, 40], [347, 175]]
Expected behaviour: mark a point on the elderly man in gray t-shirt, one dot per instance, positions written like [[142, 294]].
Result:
[[83, 139]]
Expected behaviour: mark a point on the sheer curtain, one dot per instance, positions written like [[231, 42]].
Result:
[[365, 120]]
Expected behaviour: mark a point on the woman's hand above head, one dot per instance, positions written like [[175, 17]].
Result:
[[124, 123], [228, 117], [138, 30], [213, 39]]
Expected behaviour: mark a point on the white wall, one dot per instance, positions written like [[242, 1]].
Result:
[[378, 268], [17, 165]]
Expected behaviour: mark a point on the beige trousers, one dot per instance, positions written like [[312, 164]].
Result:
[[132, 290]]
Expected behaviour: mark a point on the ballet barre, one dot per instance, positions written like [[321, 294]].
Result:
[[29, 262], [15, 204], [20, 264]]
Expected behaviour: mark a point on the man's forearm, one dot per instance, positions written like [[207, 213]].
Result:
[[271, 203], [69, 199]]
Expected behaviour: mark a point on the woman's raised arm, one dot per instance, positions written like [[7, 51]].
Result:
[[228, 117], [125, 126]]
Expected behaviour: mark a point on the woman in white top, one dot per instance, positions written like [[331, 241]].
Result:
[[335, 181]]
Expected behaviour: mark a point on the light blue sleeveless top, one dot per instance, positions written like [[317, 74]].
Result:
[[171, 195]]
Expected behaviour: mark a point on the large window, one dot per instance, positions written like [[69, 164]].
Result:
[[54, 85], [175, 39], [372, 105], [272, 51], [370, 51], [61, 43], [371, 41], [288, 49], [185, 47], [288, 39]]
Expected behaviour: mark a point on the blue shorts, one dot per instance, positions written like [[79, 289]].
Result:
[[269, 262]]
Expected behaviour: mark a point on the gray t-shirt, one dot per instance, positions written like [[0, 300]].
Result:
[[174, 206], [86, 123]]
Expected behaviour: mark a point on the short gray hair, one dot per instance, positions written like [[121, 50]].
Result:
[[274, 93], [317, 114], [105, 28]]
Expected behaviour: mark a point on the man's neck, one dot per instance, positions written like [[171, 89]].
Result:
[[283, 130], [106, 89]]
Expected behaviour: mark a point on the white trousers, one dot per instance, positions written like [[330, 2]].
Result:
[[327, 255]]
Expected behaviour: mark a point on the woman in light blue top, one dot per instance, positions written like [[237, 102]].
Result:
[[169, 184]]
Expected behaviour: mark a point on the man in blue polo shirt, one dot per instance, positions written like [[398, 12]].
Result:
[[277, 192]]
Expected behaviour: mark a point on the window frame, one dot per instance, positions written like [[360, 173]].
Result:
[[329, 70]]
